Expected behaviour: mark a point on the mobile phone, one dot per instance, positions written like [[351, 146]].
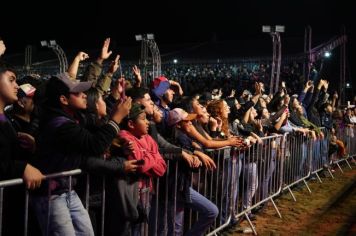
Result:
[[123, 95], [140, 162]]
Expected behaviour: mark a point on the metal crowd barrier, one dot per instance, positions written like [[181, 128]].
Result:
[[16, 182], [259, 176], [298, 161], [242, 181], [320, 159], [347, 135]]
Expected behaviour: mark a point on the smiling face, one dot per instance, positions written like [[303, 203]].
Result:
[[225, 110], [8, 88]]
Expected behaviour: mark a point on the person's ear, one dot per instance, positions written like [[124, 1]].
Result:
[[64, 100], [130, 124]]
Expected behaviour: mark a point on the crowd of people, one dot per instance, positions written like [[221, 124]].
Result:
[[110, 126]]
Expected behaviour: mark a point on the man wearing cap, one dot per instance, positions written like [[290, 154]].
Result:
[[63, 145], [162, 95]]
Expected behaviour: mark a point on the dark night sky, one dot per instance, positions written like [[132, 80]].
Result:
[[85, 26]]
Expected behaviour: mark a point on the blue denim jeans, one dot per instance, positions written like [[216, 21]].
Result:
[[303, 159], [62, 215], [228, 181], [324, 151], [251, 179], [270, 168], [207, 214], [316, 160]]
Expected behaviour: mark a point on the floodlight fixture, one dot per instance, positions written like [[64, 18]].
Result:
[[175, 61], [273, 29], [44, 43], [150, 36], [52, 42], [279, 28], [138, 37], [266, 28], [348, 85]]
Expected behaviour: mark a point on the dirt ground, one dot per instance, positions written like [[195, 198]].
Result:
[[329, 210]]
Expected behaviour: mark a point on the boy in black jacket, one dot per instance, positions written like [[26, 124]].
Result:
[[64, 145]]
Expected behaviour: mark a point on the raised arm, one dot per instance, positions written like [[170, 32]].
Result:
[[2, 47], [73, 68], [105, 53], [138, 77], [93, 71], [104, 82]]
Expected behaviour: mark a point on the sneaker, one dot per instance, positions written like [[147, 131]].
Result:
[[251, 216], [260, 207]]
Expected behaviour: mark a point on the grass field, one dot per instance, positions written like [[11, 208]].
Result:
[[329, 210]]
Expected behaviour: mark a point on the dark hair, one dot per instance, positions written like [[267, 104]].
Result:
[[136, 93], [92, 98], [4, 66], [233, 110], [186, 103], [55, 88]]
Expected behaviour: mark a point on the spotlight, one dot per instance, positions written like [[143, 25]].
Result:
[[138, 37], [279, 28], [44, 43], [150, 36], [175, 61], [266, 28], [327, 54], [52, 42]]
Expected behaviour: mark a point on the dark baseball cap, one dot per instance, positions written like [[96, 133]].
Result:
[[135, 111], [75, 86]]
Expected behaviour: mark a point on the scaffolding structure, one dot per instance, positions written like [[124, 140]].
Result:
[[146, 61]]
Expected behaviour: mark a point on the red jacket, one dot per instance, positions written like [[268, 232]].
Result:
[[145, 148]]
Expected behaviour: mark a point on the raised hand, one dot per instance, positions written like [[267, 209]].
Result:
[[122, 110], [2, 47], [114, 65], [81, 56], [138, 76], [326, 84], [335, 96], [175, 83], [308, 84], [105, 53]]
